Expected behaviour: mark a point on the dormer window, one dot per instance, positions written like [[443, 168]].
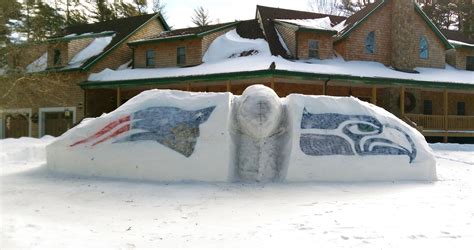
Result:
[[57, 57], [370, 43], [181, 56], [423, 48], [313, 49], [150, 58]]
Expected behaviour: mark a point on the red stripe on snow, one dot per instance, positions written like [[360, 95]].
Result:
[[104, 130]]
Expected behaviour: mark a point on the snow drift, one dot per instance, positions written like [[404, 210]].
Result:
[[174, 135]]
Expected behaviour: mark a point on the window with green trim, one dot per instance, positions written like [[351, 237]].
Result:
[[370, 43], [424, 52], [470, 63], [461, 108], [313, 49], [57, 57], [181, 56], [150, 58], [427, 107]]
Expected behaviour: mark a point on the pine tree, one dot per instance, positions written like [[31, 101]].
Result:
[[10, 14], [103, 11], [159, 6], [45, 22], [141, 6], [201, 17]]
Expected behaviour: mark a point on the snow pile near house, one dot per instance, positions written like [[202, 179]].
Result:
[[345, 139], [39, 64], [231, 45], [94, 48], [157, 135], [24, 150], [318, 23]]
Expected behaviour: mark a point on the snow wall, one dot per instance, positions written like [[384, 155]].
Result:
[[168, 135]]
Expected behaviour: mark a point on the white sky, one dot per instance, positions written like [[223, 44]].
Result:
[[179, 12]]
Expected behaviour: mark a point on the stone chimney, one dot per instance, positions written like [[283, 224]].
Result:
[[404, 37]]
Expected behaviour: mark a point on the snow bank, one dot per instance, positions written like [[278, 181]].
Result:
[[231, 45], [94, 48], [345, 139], [24, 150], [157, 135], [39, 64]]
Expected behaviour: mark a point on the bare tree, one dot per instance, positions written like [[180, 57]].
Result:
[[330, 7], [201, 17]]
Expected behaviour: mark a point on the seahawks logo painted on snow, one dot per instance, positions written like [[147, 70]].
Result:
[[338, 134], [172, 127]]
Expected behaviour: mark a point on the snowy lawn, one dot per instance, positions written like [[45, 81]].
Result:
[[45, 210]]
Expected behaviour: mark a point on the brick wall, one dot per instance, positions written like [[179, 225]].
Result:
[[289, 37], [123, 53], [326, 50], [353, 47], [62, 47], [436, 49], [437, 98], [76, 45], [43, 90], [166, 53], [457, 57]]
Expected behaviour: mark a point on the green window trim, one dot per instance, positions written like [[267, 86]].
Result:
[[180, 55], [370, 44], [150, 58], [313, 49], [424, 48]]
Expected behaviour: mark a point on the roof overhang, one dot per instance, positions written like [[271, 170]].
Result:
[[300, 28], [243, 75], [70, 38]]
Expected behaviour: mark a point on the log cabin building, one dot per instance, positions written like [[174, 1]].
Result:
[[389, 54]]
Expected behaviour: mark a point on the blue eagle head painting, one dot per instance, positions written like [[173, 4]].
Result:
[[175, 128], [339, 134]]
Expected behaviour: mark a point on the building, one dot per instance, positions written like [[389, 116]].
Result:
[[389, 53]]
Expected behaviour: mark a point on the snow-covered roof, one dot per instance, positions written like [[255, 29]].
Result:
[[459, 43], [94, 48], [39, 64], [232, 45], [219, 59], [332, 66], [317, 23]]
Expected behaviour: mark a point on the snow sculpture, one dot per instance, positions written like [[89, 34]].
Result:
[[259, 134], [158, 135], [174, 135], [344, 139]]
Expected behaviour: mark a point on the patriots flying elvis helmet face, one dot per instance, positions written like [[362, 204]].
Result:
[[340, 134]]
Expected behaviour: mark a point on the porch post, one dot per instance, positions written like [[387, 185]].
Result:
[[445, 98], [228, 86], [188, 87], [272, 84], [374, 95], [324, 88], [402, 101], [118, 97]]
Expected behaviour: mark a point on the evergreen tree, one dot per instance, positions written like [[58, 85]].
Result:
[[103, 11], [141, 6], [159, 6], [10, 15], [126, 10], [201, 17], [45, 22]]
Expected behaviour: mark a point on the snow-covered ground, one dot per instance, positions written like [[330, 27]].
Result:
[[45, 210]]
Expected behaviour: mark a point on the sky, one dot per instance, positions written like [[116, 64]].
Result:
[[179, 12]]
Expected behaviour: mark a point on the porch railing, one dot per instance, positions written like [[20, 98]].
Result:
[[438, 122]]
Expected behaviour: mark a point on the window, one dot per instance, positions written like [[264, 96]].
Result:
[[427, 107], [150, 58], [470, 63], [57, 57], [461, 108], [423, 48], [313, 49], [181, 56], [370, 43]]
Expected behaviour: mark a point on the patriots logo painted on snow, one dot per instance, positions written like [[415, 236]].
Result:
[[172, 127], [338, 134]]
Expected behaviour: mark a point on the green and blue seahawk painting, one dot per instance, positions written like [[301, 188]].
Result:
[[175, 128], [339, 134]]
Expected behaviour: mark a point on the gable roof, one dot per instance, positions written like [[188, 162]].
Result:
[[122, 29], [186, 33], [458, 39], [362, 15], [268, 14]]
